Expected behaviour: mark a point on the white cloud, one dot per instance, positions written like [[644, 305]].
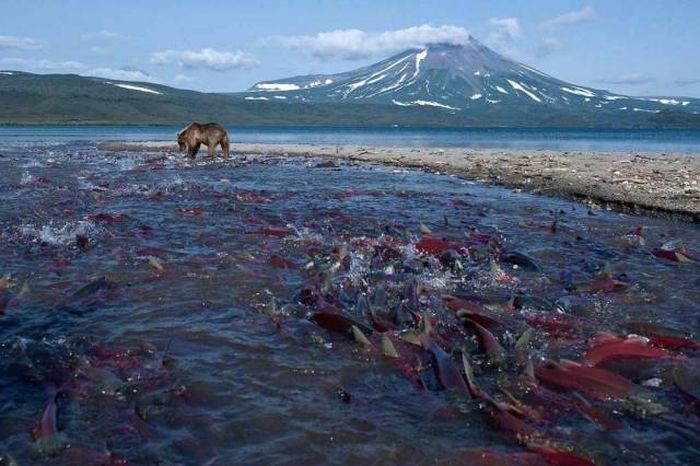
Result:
[[42, 64], [104, 34], [504, 28], [19, 43], [121, 74], [632, 79], [124, 74], [353, 44], [586, 13], [548, 46], [686, 82], [181, 78], [205, 58], [110, 35], [502, 33]]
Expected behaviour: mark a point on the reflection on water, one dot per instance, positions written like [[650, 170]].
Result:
[[166, 312]]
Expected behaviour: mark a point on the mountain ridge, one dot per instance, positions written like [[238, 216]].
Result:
[[434, 86], [456, 78]]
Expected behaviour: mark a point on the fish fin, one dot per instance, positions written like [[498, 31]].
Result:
[[270, 309], [25, 290], [524, 339], [683, 256], [425, 230], [469, 374], [529, 369], [568, 363], [359, 336], [388, 348], [411, 337], [156, 264], [425, 340], [426, 324]]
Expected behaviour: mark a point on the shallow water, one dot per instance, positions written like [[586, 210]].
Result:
[[165, 306], [563, 139]]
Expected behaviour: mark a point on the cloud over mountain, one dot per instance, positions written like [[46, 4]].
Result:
[[587, 13], [42, 64], [204, 58], [353, 44], [632, 79], [548, 46], [121, 74]]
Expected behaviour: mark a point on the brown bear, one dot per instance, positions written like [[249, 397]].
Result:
[[209, 134]]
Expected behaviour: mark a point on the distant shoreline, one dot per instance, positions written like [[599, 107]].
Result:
[[350, 126], [665, 185]]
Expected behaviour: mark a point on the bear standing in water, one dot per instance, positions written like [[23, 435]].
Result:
[[209, 134]]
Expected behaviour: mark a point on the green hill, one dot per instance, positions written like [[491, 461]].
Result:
[[27, 98]]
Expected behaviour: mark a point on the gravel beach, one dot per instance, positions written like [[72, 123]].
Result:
[[666, 185]]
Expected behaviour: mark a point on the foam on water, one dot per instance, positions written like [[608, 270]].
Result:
[[60, 234]]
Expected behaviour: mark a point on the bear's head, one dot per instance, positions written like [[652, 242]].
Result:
[[182, 141]]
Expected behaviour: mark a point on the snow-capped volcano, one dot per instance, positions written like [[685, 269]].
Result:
[[456, 78]]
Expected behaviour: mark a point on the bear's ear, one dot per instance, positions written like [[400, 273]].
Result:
[[178, 134]]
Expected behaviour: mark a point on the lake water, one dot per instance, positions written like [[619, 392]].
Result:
[[161, 311], [685, 141]]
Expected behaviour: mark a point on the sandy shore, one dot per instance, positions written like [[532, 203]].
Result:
[[655, 184]]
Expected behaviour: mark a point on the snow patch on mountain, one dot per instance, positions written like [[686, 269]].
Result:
[[419, 58], [374, 77], [325, 82], [534, 70], [614, 97], [389, 88], [281, 87], [521, 87], [579, 91], [434, 104], [131, 87], [424, 103], [666, 101]]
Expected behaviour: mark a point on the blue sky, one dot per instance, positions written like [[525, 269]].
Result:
[[639, 47]]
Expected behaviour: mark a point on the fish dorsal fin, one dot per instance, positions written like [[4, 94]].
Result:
[[426, 325], [604, 338], [360, 337], [529, 369], [469, 375], [569, 364], [388, 348], [410, 336], [524, 340]]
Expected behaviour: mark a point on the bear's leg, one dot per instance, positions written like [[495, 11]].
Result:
[[192, 151], [211, 150], [225, 147]]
